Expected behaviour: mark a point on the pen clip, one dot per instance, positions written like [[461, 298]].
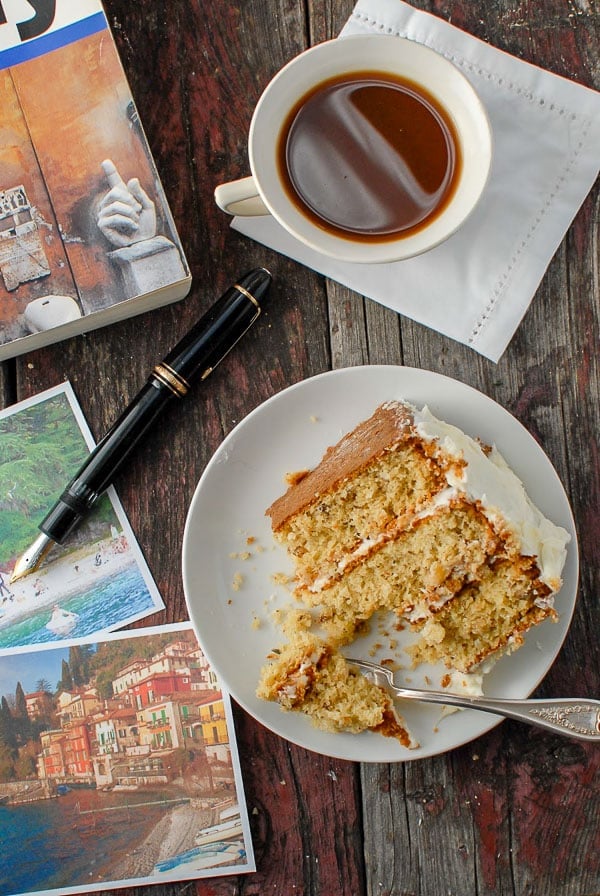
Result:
[[206, 373]]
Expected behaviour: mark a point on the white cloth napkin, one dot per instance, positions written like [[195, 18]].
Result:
[[477, 285]]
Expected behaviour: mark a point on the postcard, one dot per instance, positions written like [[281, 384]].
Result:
[[118, 766], [98, 580]]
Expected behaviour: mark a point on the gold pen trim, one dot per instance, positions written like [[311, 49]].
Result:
[[248, 296], [170, 378]]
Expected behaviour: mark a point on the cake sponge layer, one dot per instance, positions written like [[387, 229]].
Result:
[[357, 513]]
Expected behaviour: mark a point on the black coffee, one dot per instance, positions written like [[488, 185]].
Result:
[[369, 156]]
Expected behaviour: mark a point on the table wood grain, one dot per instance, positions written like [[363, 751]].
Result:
[[516, 812]]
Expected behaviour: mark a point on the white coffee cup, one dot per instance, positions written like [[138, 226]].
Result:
[[264, 192]]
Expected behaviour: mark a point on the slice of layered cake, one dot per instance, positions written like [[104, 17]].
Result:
[[408, 514]]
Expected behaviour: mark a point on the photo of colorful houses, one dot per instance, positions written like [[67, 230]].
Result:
[[118, 766]]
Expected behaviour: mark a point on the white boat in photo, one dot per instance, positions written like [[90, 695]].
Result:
[[62, 622], [203, 857], [229, 828]]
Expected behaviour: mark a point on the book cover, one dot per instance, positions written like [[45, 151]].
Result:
[[98, 580], [86, 234], [118, 766]]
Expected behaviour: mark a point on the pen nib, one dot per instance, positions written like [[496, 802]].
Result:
[[32, 557]]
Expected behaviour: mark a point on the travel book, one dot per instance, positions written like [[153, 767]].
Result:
[[118, 766], [86, 234]]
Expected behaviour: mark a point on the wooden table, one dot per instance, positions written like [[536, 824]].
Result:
[[517, 811]]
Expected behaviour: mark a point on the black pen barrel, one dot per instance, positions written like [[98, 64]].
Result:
[[215, 334], [195, 356]]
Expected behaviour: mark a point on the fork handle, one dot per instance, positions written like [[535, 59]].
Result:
[[576, 718]]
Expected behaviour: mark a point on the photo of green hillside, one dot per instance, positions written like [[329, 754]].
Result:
[[41, 448]]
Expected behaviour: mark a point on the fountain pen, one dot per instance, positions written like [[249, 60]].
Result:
[[193, 358]]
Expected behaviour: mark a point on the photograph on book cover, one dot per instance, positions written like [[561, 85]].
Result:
[[98, 580], [86, 233], [118, 766]]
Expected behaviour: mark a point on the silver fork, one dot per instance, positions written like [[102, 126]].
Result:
[[579, 718]]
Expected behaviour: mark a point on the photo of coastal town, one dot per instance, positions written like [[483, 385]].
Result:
[[98, 580], [118, 766]]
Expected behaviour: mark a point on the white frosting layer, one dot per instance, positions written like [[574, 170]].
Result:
[[488, 479]]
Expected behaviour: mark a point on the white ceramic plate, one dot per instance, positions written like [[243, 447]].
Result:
[[231, 597]]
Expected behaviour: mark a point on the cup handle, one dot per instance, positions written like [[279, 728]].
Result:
[[240, 197]]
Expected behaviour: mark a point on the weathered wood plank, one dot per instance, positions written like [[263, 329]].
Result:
[[7, 383]]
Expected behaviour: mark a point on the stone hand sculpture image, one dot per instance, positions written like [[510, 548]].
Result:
[[126, 216]]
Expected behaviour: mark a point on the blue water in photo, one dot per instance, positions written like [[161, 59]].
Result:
[[113, 601], [47, 845]]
